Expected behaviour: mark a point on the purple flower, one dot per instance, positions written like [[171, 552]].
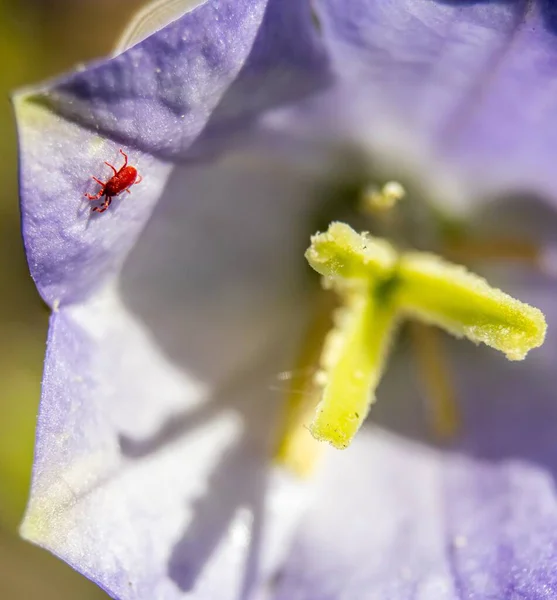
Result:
[[251, 123]]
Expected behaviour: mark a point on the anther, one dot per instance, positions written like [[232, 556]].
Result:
[[378, 200]]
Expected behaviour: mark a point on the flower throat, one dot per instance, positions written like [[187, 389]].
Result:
[[370, 287]]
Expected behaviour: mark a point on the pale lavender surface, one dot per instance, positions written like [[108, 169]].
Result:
[[473, 81], [211, 60], [477, 520], [184, 351], [162, 396], [226, 60]]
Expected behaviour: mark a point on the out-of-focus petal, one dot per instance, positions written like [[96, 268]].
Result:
[[153, 17], [469, 85], [230, 248], [478, 519], [364, 538]]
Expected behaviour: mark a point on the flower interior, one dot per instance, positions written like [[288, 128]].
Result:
[[373, 285]]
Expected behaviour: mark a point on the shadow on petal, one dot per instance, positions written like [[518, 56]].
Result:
[[218, 279], [237, 483], [508, 411], [549, 14]]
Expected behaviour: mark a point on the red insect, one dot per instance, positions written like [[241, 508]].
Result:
[[121, 181]]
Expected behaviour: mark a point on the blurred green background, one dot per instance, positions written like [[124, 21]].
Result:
[[38, 39]]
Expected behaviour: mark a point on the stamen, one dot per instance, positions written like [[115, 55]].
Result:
[[464, 304], [348, 259], [297, 450], [379, 200], [377, 286], [467, 250], [434, 372], [353, 360]]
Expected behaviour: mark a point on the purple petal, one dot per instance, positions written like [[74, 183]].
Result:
[[469, 85], [376, 531], [237, 57], [213, 64], [155, 485], [401, 519], [159, 396], [158, 406], [70, 250]]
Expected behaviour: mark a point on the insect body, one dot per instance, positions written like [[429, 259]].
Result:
[[121, 181]]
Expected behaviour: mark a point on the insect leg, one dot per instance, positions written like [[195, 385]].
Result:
[[103, 206], [113, 168], [99, 181], [95, 196], [125, 157], [138, 180]]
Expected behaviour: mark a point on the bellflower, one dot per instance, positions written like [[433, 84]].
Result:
[[171, 460]]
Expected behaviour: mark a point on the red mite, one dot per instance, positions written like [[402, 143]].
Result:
[[121, 181]]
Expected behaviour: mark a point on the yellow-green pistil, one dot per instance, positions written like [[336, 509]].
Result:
[[378, 287]]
